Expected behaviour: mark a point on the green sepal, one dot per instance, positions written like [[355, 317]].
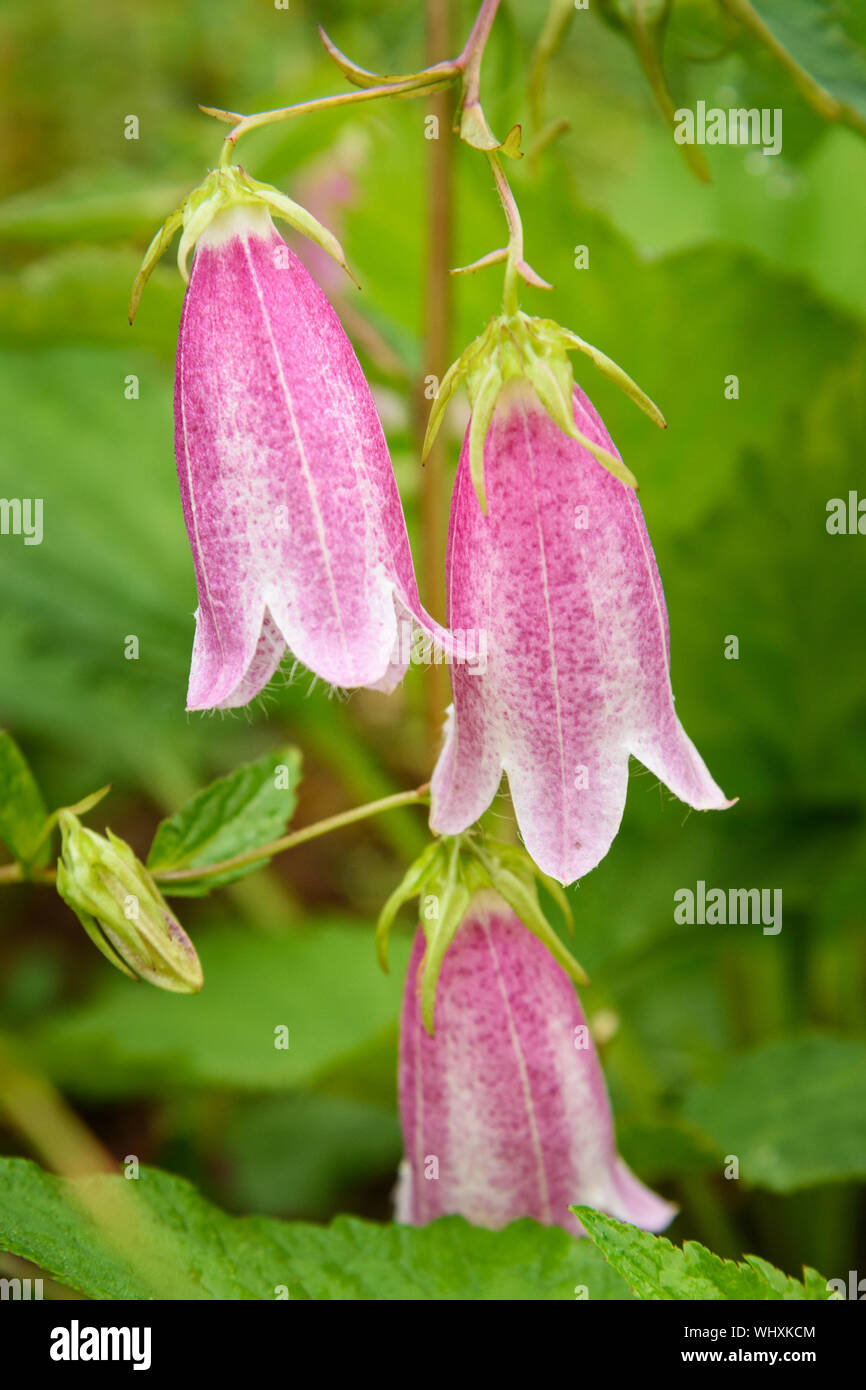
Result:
[[91, 926], [514, 857], [223, 189], [155, 251], [537, 350], [409, 887], [615, 373], [454, 377], [80, 808], [454, 896], [483, 400], [553, 380], [197, 217], [515, 881], [301, 220], [452, 871]]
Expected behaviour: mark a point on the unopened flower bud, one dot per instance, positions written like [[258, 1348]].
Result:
[[122, 910]]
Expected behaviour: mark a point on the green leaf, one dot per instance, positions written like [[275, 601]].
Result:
[[22, 809], [657, 1270], [240, 812], [217, 1256], [811, 40], [321, 982], [793, 1113]]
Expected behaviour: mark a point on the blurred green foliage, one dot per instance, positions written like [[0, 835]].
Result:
[[717, 1040]]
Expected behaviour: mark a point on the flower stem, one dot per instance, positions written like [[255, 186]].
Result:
[[298, 837], [437, 342], [473, 50], [13, 873], [510, 295], [438, 76], [442, 76]]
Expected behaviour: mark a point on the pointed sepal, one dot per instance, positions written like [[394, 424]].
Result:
[[301, 220], [410, 886], [155, 251], [226, 188], [197, 217], [615, 373], [483, 398], [445, 877], [517, 345], [515, 878]]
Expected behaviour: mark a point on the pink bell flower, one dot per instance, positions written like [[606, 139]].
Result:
[[560, 575], [289, 497], [504, 1110]]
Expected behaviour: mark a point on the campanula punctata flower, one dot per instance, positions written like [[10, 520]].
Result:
[[561, 575], [289, 496], [504, 1109]]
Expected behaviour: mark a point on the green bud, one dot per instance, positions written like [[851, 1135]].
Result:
[[123, 912]]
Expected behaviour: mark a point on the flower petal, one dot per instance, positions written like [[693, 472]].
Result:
[[562, 575], [504, 1109], [289, 496]]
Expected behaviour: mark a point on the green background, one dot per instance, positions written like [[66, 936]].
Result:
[[716, 1041]]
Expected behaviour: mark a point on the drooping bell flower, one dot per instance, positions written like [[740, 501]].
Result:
[[560, 575], [289, 497], [504, 1109]]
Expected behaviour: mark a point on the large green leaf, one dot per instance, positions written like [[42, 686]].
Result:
[[816, 41], [657, 1270], [793, 1112], [320, 982], [205, 1254], [244, 810]]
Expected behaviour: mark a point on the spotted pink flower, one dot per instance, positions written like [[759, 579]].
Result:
[[504, 1109], [291, 506], [561, 578]]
